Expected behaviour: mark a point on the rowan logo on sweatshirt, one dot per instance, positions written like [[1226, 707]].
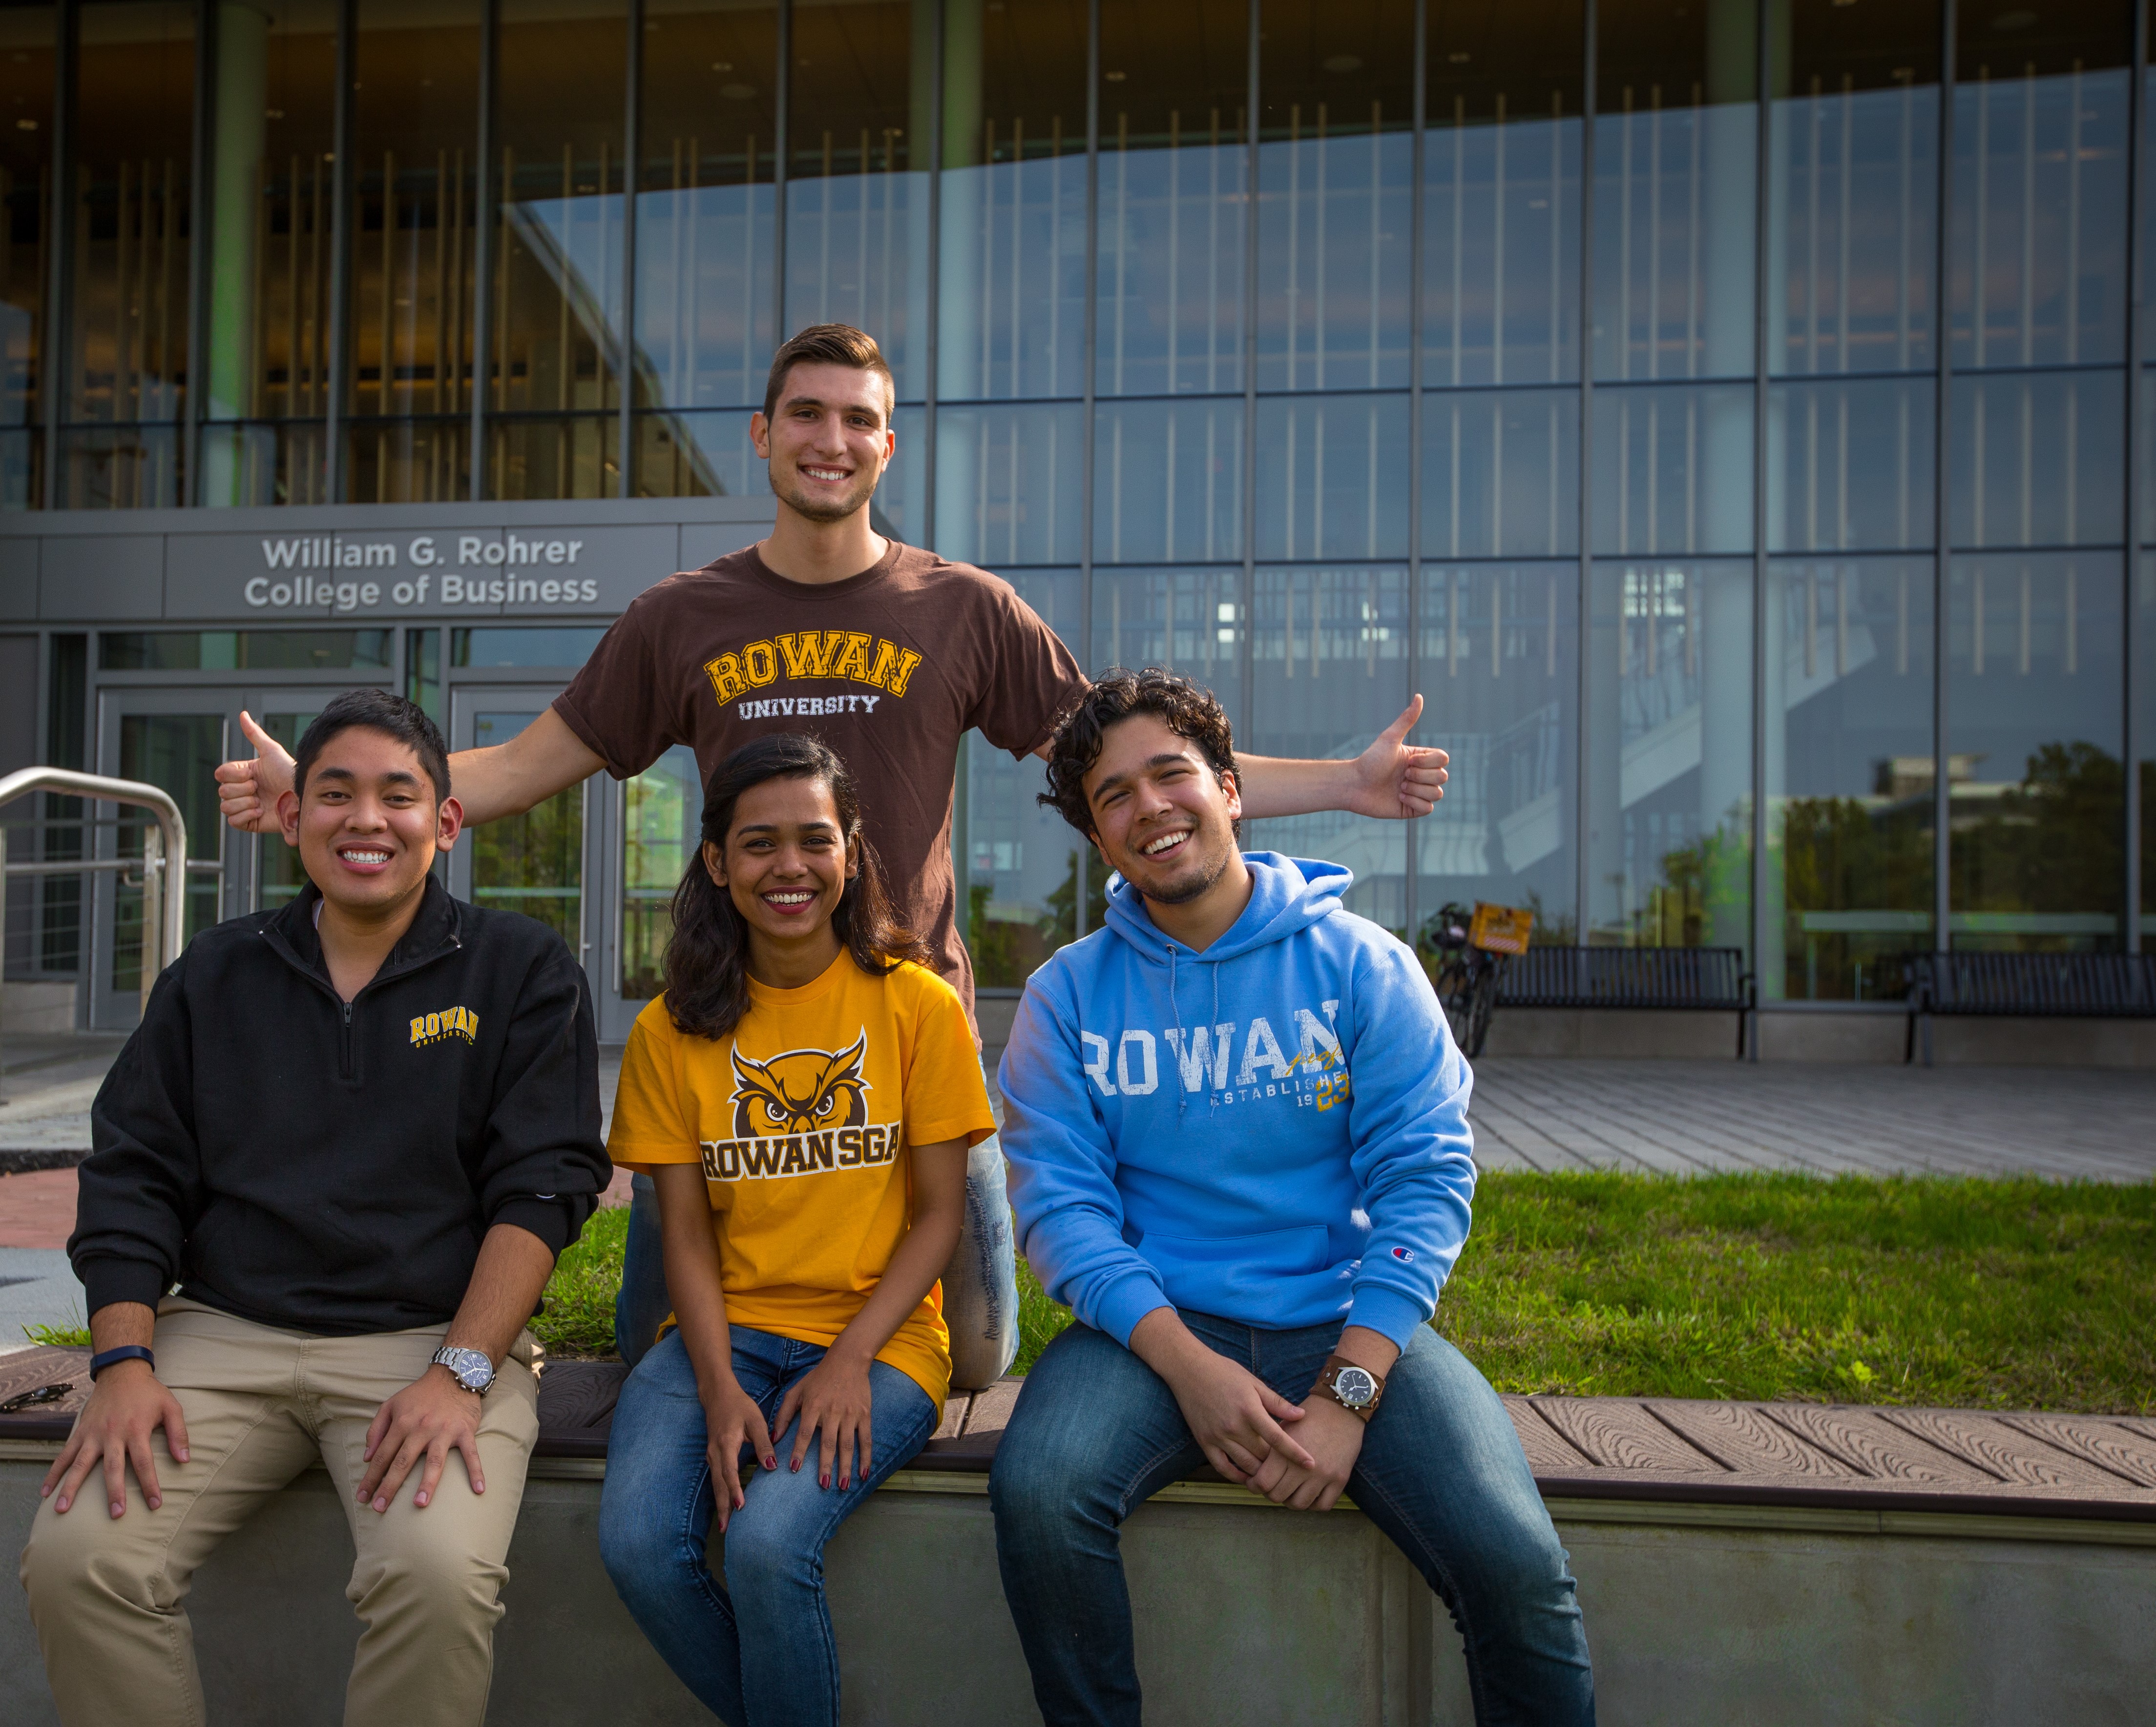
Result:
[[449, 1023], [1127, 1062]]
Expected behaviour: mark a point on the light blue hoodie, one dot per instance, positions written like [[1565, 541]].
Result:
[[1273, 1130]]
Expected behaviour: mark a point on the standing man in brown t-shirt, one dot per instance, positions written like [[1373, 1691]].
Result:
[[889, 654]]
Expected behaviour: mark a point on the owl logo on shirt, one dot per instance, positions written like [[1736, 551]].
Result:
[[802, 1091]]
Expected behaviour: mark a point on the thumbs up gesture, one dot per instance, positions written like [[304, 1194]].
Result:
[[248, 791]]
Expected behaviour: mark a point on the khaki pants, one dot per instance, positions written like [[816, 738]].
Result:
[[108, 1597]]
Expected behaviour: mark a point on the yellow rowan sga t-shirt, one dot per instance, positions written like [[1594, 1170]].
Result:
[[801, 1119]]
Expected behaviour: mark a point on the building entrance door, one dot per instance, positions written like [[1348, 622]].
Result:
[[537, 863], [174, 739]]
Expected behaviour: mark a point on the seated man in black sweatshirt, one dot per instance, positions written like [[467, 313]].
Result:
[[333, 1168]]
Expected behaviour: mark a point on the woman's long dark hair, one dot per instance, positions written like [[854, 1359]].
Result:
[[708, 959]]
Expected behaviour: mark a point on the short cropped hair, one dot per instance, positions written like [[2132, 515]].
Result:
[[376, 711], [1188, 709], [829, 345]]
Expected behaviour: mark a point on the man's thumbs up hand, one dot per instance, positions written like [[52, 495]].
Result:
[[248, 791]]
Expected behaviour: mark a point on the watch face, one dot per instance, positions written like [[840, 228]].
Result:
[[1354, 1387]]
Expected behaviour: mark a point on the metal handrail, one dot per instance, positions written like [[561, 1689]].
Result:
[[171, 831]]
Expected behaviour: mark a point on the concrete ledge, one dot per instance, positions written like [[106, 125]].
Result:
[[1247, 1612], [1678, 1033]]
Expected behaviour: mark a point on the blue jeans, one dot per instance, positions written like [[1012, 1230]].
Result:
[[756, 1647], [980, 1285], [1097, 1432]]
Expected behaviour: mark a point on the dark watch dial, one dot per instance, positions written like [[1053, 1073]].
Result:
[[1353, 1386]]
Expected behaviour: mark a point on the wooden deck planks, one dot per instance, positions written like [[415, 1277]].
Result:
[[1548, 1452], [1617, 1434], [2111, 1445], [1987, 1444], [1741, 1439], [1860, 1439]]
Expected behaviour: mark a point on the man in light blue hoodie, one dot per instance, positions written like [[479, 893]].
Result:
[[1237, 1127]]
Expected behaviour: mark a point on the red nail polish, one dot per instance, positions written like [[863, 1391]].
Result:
[[822, 1481], [797, 1468]]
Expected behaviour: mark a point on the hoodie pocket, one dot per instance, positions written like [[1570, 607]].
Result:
[[1235, 1275]]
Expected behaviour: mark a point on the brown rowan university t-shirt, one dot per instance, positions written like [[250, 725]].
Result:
[[891, 668]]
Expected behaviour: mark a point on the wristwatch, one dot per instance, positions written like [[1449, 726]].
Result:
[[472, 1368], [1355, 1389]]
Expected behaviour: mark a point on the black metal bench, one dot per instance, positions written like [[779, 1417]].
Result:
[[2049, 986], [1661, 977]]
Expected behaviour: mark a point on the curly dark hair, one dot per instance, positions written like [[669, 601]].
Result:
[[707, 963], [1188, 709]]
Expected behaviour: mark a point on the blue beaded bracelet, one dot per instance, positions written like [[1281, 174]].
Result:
[[126, 1352]]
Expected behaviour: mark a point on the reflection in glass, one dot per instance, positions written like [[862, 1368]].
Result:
[[1501, 474], [423, 671], [1167, 480], [856, 210], [557, 287], [267, 333], [26, 144], [1848, 465], [1020, 860], [1336, 157], [1675, 189], [661, 818], [1668, 742], [517, 645], [1673, 470], [2142, 753], [2038, 219], [1186, 620], [901, 509], [705, 240], [1850, 771], [415, 210], [703, 454], [243, 650], [1007, 483], [179, 753], [279, 876], [2036, 459], [1500, 195], [533, 862], [1500, 668], [1012, 218], [1333, 477], [131, 205], [1329, 665], [2034, 737], [1853, 190], [1173, 167]]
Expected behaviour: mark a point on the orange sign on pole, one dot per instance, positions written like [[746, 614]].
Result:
[[1501, 929]]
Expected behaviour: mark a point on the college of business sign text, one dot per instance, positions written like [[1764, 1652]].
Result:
[[521, 572]]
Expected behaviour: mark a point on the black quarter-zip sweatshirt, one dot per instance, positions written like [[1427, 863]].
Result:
[[329, 1167]]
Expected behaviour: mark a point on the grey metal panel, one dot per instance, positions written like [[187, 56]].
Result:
[[563, 568], [361, 518], [121, 577], [19, 579], [702, 541]]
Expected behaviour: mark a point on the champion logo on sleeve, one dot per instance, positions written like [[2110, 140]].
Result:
[[1404, 1255]]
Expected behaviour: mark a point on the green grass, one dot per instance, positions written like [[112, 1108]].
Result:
[[578, 1319], [76, 1336], [1961, 1293], [2016, 1293]]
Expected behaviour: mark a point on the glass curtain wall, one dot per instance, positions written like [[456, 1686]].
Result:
[[558, 319], [2037, 310], [1852, 246], [1668, 762], [1010, 425], [1675, 454], [28, 36], [706, 245], [270, 254], [121, 441], [413, 236], [1498, 641]]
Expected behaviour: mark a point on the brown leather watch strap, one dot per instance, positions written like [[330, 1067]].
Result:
[[1328, 1382]]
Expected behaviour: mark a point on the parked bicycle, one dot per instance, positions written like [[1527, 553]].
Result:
[[1469, 950]]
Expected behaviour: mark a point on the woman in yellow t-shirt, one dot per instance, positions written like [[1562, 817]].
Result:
[[803, 1096]]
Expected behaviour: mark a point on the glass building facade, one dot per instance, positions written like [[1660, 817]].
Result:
[[1736, 418]]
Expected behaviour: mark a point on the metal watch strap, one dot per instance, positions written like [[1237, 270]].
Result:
[[1328, 1382], [456, 1359]]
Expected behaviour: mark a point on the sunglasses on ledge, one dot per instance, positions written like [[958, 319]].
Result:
[[43, 1394]]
